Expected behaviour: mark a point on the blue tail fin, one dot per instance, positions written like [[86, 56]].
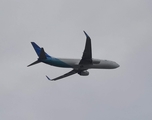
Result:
[[38, 49]]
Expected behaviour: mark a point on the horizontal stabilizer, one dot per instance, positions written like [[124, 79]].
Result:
[[42, 54], [36, 62]]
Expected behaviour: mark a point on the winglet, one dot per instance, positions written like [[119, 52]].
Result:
[[48, 78], [86, 34]]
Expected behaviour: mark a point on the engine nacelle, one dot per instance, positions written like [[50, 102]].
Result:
[[84, 73], [96, 61]]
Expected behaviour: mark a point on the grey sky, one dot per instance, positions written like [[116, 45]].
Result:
[[120, 31]]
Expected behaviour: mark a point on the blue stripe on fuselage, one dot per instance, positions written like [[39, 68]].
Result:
[[56, 62]]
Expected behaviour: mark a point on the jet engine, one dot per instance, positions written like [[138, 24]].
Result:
[[84, 73]]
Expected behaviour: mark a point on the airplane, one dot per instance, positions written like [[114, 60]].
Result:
[[79, 66]]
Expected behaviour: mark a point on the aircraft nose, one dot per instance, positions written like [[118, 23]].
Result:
[[117, 65]]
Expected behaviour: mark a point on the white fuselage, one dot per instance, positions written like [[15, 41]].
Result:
[[74, 63]]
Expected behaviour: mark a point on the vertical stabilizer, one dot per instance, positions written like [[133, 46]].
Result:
[[40, 52], [38, 49], [42, 55]]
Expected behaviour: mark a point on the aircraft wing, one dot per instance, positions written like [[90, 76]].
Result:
[[87, 54], [63, 76]]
